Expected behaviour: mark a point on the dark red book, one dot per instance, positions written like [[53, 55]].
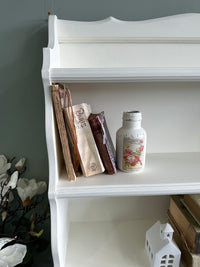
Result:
[[103, 141]]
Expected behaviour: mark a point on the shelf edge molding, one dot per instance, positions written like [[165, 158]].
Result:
[[72, 75], [136, 190]]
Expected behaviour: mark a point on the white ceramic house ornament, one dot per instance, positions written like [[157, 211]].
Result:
[[162, 251]]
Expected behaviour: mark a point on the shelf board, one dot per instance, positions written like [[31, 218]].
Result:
[[164, 174], [108, 244], [73, 75]]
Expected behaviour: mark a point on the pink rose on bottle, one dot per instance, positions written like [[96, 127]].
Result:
[[128, 151]]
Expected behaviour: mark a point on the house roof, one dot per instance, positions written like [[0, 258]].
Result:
[[166, 228]]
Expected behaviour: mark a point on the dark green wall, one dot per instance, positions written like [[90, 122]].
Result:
[[23, 33]]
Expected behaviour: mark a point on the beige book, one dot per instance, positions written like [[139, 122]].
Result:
[[89, 155]]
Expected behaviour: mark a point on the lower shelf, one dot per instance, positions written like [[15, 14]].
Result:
[[108, 244], [97, 244]]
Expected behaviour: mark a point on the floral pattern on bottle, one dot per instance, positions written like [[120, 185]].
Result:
[[133, 154]]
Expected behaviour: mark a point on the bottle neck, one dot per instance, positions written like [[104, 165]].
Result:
[[132, 124]]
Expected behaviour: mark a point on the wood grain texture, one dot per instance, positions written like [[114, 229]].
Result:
[[62, 132]]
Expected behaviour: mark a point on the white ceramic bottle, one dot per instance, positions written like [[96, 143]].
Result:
[[131, 143]]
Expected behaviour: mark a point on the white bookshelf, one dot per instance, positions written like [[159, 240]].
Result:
[[153, 66]]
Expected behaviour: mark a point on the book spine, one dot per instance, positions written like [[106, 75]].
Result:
[[90, 160], [190, 259], [73, 141], [103, 141], [193, 204], [62, 132], [185, 223]]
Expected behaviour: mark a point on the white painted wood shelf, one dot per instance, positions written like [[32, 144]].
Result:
[[114, 65], [88, 75], [164, 174]]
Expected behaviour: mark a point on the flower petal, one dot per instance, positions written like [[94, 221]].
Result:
[[4, 240], [42, 187], [3, 263], [21, 193], [13, 180], [3, 161], [22, 182], [29, 188], [13, 255], [19, 165], [5, 168]]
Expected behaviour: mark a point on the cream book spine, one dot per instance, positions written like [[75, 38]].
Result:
[[90, 160]]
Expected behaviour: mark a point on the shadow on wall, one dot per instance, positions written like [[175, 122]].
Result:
[[21, 95]]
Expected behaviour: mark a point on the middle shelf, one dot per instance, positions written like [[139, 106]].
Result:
[[164, 174]]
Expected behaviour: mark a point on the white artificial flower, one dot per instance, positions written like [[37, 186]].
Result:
[[29, 188], [13, 180], [11, 255], [19, 165], [4, 165]]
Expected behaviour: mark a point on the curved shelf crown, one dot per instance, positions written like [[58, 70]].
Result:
[[114, 50]]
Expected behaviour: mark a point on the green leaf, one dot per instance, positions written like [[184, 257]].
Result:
[[37, 234], [27, 257], [3, 215]]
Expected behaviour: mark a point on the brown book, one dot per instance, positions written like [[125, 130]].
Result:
[[193, 204], [186, 223], [71, 132], [189, 258], [103, 141], [62, 132]]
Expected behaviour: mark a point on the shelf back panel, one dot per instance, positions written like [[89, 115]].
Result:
[[141, 55], [118, 208], [171, 110]]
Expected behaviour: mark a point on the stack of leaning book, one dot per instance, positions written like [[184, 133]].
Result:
[[85, 139], [184, 217]]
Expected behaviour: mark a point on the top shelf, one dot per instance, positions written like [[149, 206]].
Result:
[[111, 50], [86, 75]]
